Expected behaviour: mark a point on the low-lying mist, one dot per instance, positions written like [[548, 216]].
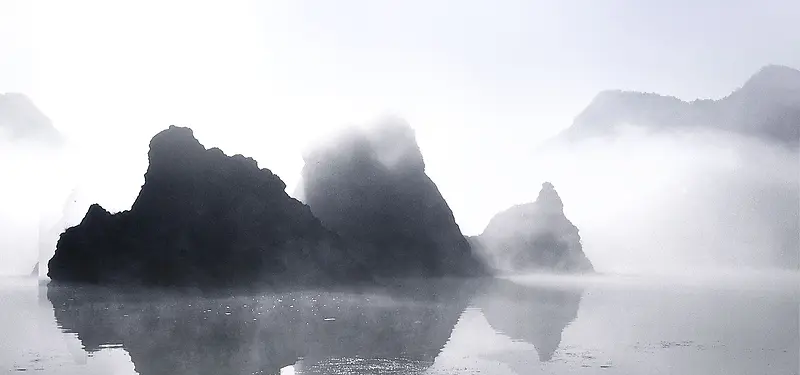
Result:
[[37, 200], [677, 201], [665, 202]]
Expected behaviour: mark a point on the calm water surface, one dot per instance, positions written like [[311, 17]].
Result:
[[526, 325]]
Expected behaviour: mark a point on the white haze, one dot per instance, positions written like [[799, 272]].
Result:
[[678, 201], [36, 182], [653, 203], [481, 82]]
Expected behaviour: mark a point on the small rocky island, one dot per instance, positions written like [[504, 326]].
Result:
[[203, 218], [533, 237], [370, 186]]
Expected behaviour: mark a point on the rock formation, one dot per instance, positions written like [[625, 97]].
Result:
[[352, 332], [767, 106], [533, 237], [370, 187], [202, 218]]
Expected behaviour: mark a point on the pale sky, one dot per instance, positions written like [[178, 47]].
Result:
[[482, 82]]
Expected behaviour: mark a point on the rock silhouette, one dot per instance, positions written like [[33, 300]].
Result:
[[370, 187], [202, 218], [184, 334], [533, 314], [533, 237], [767, 106]]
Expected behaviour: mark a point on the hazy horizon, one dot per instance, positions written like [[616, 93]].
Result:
[[509, 187], [482, 84]]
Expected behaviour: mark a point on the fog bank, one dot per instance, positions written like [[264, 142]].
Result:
[[662, 202]]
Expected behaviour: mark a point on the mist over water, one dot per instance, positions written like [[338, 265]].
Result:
[[725, 324], [415, 135]]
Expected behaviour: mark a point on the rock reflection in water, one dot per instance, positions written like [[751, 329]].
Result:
[[165, 333], [529, 313]]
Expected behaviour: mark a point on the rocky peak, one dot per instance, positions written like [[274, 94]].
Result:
[[95, 213], [174, 139], [548, 199], [774, 77], [390, 141], [395, 145]]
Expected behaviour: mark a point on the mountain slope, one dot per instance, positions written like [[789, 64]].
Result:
[[767, 106], [370, 187], [706, 183]]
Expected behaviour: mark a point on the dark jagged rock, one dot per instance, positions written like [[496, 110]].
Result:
[[370, 187], [767, 106], [167, 333], [533, 237], [201, 218], [534, 314], [23, 121]]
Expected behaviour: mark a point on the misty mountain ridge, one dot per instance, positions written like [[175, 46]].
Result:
[[767, 106], [706, 183]]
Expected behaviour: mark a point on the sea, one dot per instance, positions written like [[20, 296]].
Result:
[[725, 324]]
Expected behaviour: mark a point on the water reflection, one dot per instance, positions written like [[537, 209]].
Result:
[[400, 329], [529, 313]]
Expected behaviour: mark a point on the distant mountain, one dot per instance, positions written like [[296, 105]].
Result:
[[738, 200], [534, 236], [767, 106], [202, 218], [21, 120], [369, 185]]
